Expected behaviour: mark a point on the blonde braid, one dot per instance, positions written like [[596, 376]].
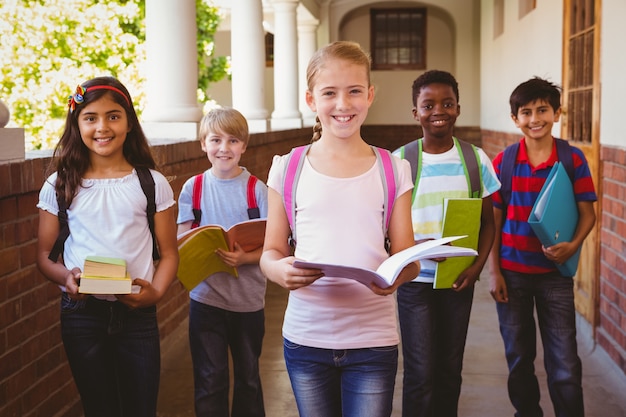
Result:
[[317, 129]]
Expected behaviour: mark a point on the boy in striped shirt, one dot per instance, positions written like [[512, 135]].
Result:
[[524, 273]]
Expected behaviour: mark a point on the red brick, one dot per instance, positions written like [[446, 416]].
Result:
[[10, 311], [5, 184], [9, 260]]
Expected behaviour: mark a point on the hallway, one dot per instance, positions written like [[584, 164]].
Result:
[[484, 375]]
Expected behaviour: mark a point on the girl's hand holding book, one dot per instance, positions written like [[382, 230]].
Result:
[[293, 278], [407, 274]]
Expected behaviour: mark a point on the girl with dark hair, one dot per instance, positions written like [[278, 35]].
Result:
[[111, 340]]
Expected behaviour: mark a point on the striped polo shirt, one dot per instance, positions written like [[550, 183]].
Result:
[[520, 249]]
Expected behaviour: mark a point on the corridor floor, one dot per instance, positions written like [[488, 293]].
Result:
[[484, 375]]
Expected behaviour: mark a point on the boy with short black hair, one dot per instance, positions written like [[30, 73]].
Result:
[[226, 311], [434, 322], [524, 273]]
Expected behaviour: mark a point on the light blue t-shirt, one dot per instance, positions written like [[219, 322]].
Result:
[[224, 202]]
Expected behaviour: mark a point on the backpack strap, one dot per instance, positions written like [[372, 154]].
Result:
[[565, 155], [506, 173], [388, 176], [253, 207], [64, 230], [509, 157], [471, 166], [470, 159], [293, 169], [412, 152], [147, 185], [196, 197]]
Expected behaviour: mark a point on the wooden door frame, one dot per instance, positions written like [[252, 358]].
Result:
[[589, 270]]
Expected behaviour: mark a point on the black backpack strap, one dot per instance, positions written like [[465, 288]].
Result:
[[148, 187], [506, 173], [564, 154], [472, 167], [64, 230]]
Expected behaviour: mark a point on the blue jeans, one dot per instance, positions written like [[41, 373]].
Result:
[[553, 297], [342, 383], [114, 354], [434, 329], [211, 332]]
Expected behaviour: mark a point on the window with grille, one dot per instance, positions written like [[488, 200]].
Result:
[[580, 77], [398, 38]]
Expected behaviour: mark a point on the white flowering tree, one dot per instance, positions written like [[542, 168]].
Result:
[[48, 47]]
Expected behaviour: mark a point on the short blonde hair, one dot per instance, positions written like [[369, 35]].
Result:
[[226, 120]]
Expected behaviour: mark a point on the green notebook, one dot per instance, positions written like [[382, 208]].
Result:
[[461, 216]]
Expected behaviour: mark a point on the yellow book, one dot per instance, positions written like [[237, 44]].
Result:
[[461, 216], [196, 249], [104, 275]]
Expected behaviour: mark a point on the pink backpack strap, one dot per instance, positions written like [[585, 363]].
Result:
[[295, 160], [196, 197], [388, 176]]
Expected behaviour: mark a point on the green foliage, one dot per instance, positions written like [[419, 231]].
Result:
[[48, 47]]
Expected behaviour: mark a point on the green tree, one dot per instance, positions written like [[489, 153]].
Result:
[[50, 46]]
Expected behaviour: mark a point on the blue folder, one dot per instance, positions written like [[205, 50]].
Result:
[[554, 216]]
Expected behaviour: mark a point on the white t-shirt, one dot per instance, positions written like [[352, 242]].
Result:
[[108, 217], [339, 221]]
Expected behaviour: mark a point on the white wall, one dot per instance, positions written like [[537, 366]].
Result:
[[453, 42], [531, 46], [613, 73]]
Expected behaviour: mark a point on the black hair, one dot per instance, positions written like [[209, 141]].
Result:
[[535, 89], [433, 77]]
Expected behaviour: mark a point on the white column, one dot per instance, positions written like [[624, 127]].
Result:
[[172, 109], [307, 45], [286, 114], [248, 63]]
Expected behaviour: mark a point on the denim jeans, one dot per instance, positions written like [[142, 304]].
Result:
[[434, 326], [114, 354], [211, 332], [553, 297], [342, 383]]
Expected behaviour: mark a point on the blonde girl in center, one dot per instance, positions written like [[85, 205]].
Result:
[[340, 337]]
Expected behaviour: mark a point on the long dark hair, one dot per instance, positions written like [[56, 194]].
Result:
[[71, 157]]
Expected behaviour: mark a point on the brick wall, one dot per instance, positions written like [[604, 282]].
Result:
[[35, 379], [611, 332]]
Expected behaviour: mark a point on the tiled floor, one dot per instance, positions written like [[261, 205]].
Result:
[[484, 385]]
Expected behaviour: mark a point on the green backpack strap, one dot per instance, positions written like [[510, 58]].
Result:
[[412, 152], [471, 167], [470, 159]]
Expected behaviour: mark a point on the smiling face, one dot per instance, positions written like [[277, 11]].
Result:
[[536, 119], [224, 152], [341, 96], [437, 110], [103, 126]]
